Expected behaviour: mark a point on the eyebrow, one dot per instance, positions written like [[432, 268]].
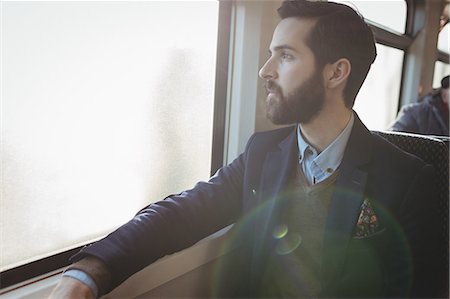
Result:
[[283, 47]]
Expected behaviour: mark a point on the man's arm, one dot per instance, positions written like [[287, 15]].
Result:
[[165, 227], [87, 278], [71, 288]]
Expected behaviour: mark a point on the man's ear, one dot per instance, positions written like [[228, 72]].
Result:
[[336, 74]]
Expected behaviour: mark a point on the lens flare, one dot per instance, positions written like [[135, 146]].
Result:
[[280, 231], [288, 244]]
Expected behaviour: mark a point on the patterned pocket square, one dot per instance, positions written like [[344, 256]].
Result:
[[367, 224]]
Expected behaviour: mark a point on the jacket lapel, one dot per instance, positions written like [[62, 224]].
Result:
[[277, 167], [345, 204]]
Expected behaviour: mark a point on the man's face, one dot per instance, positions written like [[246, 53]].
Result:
[[295, 88]]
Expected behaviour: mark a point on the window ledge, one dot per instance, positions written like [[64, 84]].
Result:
[[168, 268]]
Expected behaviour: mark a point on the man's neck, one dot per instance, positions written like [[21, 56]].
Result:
[[325, 127]]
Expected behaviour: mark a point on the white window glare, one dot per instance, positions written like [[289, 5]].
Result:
[[106, 107], [388, 13], [377, 101], [440, 71], [443, 39]]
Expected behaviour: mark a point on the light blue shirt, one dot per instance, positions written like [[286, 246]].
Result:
[[319, 166], [84, 278]]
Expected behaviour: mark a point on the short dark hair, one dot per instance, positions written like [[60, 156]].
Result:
[[340, 32], [444, 82]]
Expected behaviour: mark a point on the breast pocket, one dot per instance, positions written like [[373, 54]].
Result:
[[365, 267], [365, 250]]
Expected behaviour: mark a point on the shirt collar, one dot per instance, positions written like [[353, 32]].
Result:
[[302, 145], [331, 157]]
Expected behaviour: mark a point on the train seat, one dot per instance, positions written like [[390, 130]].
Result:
[[435, 151]]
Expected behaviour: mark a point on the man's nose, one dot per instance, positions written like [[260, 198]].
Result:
[[267, 71]]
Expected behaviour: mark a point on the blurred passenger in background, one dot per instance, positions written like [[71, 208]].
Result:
[[429, 116]]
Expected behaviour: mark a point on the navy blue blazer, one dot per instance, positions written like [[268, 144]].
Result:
[[398, 261]]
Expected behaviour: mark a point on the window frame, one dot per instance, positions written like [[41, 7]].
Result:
[[418, 70], [393, 39], [20, 276], [416, 16], [415, 9]]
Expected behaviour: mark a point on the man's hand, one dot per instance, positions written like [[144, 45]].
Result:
[[70, 288]]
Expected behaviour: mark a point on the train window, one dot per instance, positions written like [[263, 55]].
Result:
[[105, 106], [390, 14], [443, 41], [377, 101]]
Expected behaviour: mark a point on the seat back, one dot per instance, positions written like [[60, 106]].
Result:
[[435, 152]]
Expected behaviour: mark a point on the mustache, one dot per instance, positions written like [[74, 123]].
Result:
[[272, 86]]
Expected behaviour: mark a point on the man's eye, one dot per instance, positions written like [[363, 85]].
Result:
[[286, 56]]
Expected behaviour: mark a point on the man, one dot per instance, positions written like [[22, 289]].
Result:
[[429, 116], [323, 208]]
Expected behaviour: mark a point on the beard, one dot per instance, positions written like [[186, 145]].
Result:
[[299, 106]]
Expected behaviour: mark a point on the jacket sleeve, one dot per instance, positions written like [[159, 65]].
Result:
[[172, 224], [406, 121]]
